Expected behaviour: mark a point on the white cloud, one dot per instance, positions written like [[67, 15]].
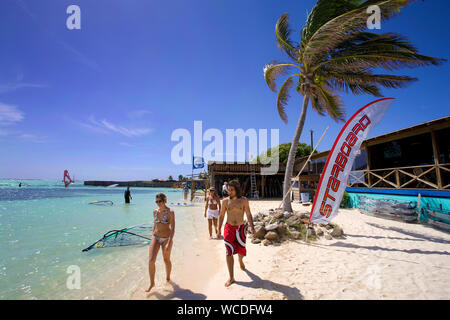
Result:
[[33, 138], [124, 144], [105, 126], [137, 114], [10, 114], [19, 85], [80, 57], [77, 55]]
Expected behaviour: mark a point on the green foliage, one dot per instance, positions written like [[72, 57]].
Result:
[[203, 175], [303, 150], [300, 227], [345, 202]]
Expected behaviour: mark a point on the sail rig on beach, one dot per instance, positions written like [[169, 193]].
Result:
[[136, 235]]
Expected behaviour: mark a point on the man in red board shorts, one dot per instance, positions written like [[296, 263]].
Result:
[[235, 230]]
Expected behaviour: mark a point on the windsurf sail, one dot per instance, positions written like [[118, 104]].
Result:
[[136, 235], [67, 180], [102, 203]]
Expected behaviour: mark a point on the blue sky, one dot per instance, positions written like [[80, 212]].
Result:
[[103, 101]]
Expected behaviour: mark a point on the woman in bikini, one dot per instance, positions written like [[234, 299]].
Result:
[[163, 232], [212, 209]]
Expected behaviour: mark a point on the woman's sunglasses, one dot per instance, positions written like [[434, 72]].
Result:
[[159, 201]]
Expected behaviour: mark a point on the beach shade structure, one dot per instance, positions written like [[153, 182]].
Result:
[[333, 180], [136, 235]]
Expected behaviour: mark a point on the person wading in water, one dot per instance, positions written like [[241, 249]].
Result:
[[127, 195]]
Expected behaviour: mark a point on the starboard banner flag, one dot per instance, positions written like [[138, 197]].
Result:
[[333, 180]]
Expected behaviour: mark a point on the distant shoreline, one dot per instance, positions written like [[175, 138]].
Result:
[[139, 183]]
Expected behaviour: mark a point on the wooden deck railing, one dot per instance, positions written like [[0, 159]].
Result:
[[434, 177]]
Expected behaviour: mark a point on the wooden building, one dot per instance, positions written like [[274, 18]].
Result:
[[414, 158], [266, 186], [405, 162], [308, 180]]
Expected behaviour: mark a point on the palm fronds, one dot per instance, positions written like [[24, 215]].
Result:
[[337, 54], [282, 33], [283, 97], [274, 69], [325, 37]]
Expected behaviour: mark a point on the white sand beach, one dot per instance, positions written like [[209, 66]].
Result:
[[377, 259]]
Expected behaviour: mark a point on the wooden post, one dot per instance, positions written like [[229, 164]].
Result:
[[192, 187], [436, 159], [369, 178], [397, 179], [213, 182], [418, 207], [262, 186]]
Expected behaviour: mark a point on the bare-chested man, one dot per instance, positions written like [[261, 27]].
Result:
[[235, 231]]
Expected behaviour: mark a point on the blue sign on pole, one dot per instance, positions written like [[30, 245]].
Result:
[[198, 162]]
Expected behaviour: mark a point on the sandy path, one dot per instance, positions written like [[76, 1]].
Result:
[[377, 259], [194, 264]]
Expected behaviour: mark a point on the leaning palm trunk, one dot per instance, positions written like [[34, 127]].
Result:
[[291, 159]]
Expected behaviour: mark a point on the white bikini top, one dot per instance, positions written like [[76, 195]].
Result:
[[214, 201]]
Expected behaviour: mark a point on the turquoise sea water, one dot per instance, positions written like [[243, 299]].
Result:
[[44, 227]]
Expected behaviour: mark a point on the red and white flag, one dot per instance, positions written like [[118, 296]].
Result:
[[333, 180]]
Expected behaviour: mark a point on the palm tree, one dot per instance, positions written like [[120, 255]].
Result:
[[336, 54]]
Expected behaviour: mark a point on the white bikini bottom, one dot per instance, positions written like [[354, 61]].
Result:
[[212, 213]]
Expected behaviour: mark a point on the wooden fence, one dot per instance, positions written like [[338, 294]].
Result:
[[434, 177]]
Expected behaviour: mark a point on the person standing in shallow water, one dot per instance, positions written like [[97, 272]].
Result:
[[163, 233], [212, 208], [235, 231], [127, 195]]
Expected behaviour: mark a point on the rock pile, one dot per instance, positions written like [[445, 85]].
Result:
[[274, 226]]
